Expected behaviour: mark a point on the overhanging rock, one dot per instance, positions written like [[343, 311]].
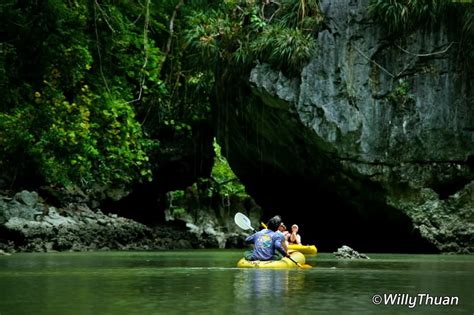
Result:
[[382, 130]]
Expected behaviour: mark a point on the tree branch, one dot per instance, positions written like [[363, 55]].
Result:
[[425, 55], [171, 29], [146, 49], [375, 63]]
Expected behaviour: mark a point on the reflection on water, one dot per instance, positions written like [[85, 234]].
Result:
[[266, 289], [206, 282], [260, 283], [263, 283]]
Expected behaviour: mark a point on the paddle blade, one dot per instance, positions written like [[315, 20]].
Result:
[[242, 221]]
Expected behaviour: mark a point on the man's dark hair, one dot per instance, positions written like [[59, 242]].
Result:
[[274, 223]]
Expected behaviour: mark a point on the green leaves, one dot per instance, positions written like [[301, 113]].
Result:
[[242, 34], [227, 182], [400, 96], [69, 72], [208, 32], [90, 140], [400, 16], [284, 48]]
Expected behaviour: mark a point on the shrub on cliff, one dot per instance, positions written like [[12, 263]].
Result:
[[400, 16], [249, 32]]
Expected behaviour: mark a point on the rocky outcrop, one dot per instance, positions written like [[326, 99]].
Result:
[[29, 224], [345, 252], [210, 215], [380, 128]]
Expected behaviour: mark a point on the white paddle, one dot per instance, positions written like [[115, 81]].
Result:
[[243, 222]]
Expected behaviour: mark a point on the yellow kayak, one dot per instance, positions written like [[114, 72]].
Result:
[[305, 249], [283, 263]]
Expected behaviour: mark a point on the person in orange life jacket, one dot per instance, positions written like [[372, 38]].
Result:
[[268, 242], [294, 237]]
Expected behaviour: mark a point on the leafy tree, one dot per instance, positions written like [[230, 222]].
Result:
[[74, 74]]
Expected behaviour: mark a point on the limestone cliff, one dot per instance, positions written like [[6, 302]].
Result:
[[381, 128]]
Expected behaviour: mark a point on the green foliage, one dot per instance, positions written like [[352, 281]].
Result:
[[240, 31], [283, 47], [227, 182], [89, 87], [286, 42], [74, 74], [304, 14], [221, 189], [400, 96], [178, 212], [209, 27], [177, 200], [86, 141], [215, 34], [400, 16]]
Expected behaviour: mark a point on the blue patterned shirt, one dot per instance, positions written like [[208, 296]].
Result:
[[266, 242]]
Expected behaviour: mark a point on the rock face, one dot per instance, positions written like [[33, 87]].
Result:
[[28, 224], [210, 216], [345, 252], [380, 128]]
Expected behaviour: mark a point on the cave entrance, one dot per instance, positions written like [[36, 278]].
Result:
[[330, 217]]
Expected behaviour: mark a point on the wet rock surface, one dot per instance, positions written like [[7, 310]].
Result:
[[345, 252], [28, 224]]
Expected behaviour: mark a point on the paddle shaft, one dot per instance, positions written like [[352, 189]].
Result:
[[297, 263]]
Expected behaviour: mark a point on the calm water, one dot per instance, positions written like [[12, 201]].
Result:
[[206, 282]]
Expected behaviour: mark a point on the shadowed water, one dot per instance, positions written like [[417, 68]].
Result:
[[206, 282]]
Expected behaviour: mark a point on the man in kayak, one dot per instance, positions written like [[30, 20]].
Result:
[[268, 242]]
